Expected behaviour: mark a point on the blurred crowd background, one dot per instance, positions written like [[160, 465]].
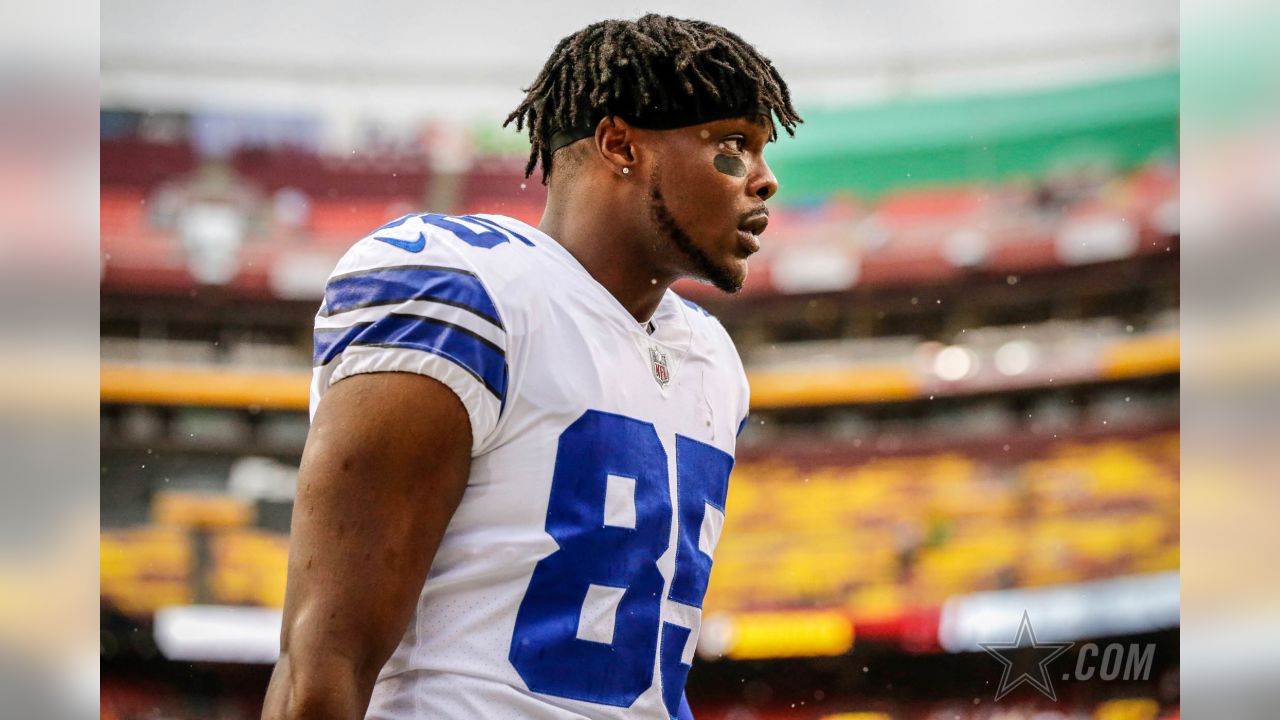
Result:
[[962, 334]]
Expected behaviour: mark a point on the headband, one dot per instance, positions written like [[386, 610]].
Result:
[[661, 120]]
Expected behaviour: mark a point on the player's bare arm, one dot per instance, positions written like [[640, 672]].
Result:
[[384, 468]]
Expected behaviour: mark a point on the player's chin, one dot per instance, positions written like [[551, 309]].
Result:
[[730, 275]]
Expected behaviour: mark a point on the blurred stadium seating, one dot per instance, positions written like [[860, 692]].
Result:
[[963, 383]]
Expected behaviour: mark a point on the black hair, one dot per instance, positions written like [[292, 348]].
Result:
[[657, 71]]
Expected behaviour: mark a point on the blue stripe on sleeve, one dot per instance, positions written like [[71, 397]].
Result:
[[491, 224], [488, 238], [479, 357], [394, 285]]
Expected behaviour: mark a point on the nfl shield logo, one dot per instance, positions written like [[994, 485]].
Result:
[[658, 360]]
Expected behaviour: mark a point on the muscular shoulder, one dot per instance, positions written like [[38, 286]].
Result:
[[480, 256], [433, 295]]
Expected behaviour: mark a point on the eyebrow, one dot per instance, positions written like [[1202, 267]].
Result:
[[763, 129]]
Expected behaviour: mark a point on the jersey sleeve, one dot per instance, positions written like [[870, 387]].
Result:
[[410, 299]]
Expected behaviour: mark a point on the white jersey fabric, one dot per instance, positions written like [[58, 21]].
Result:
[[569, 582]]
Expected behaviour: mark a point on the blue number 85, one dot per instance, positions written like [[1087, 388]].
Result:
[[608, 550]]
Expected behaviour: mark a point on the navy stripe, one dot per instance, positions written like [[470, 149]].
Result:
[[496, 226], [394, 285], [485, 361], [487, 238]]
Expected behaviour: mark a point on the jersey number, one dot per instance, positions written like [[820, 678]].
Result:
[[610, 514], [490, 237]]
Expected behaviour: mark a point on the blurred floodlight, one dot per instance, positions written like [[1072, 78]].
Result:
[[809, 269], [966, 247], [1115, 606], [1096, 239], [211, 633], [955, 363], [1015, 357]]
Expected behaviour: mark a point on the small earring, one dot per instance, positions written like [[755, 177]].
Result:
[[626, 171]]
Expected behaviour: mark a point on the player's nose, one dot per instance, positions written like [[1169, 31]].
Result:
[[763, 184]]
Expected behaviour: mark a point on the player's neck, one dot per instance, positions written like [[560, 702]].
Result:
[[612, 256]]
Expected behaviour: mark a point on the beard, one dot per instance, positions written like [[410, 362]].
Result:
[[704, 268]]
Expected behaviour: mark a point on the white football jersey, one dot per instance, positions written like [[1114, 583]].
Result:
[[569, 582]]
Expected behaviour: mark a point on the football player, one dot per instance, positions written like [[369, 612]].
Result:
[[521, 437]]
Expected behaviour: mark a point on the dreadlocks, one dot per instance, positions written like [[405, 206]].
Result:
[[657, 72]]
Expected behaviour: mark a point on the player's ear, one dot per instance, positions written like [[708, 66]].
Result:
[[615, 141]]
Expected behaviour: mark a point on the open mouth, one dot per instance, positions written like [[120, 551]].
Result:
[[750, 230]]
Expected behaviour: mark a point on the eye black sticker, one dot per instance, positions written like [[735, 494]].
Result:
[[730, 165]]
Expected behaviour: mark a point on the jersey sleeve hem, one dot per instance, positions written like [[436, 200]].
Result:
[[481, 405]]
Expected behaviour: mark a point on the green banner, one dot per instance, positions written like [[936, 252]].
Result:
[[868, 151]]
